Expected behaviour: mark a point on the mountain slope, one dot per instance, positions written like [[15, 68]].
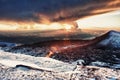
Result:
[[89, 50], [110, 40]]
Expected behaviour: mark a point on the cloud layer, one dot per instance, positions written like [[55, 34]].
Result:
[[53, 10]]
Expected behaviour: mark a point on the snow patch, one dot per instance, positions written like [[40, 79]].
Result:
[[78, 62], [100, 64], [13, 63], [12, 60], [7, 44], [116, 66]]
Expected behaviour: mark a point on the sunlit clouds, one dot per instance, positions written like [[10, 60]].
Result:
[[59, 14], [109, 20], [7, 27], [34, 26], [45, 11]]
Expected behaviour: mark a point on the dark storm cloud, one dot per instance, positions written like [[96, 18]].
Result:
[[53, 10]]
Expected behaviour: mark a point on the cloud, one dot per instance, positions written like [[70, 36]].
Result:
[[53, 10]]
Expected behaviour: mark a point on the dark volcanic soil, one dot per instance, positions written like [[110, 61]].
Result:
[[72, 50], [89, 55]]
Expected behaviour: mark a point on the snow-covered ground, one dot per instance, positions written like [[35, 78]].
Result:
[[19, 66]]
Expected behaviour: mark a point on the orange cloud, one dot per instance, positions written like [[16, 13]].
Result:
[[62, 11]]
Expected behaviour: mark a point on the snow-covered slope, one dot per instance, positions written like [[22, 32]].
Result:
[[111, 41], [49, 64], [7, 44], [25, 67]]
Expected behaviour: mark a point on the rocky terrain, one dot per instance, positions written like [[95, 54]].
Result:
[[96, 59], [25, 67], [104, 49]]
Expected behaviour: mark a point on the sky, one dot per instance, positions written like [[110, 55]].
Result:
[[47, 14], [109, 20]]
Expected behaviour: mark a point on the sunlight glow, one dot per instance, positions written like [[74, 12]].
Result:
[[109, 20], [34, 26], [67, 26], [7, 27]]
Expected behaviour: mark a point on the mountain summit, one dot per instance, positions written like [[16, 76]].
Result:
[[110, 40]]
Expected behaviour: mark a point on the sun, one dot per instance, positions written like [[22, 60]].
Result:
[[67, 26]]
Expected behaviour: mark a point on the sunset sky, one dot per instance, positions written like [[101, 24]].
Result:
[[109, 20], [57, 14]]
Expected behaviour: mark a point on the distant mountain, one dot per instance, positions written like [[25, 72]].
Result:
[[110, 40]]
